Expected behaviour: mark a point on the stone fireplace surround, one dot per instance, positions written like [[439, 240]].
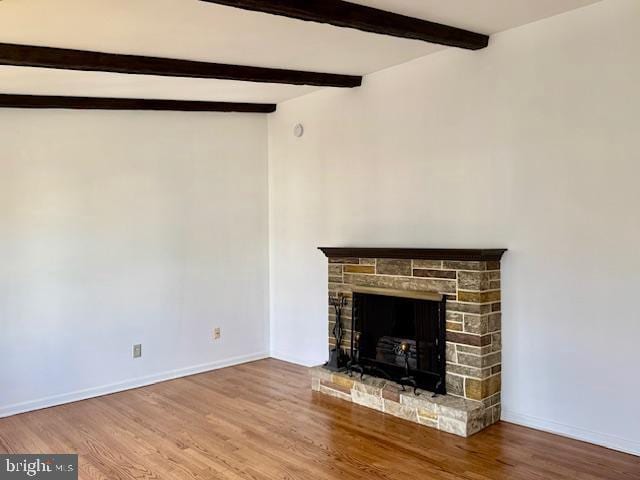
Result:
[[470, 281]]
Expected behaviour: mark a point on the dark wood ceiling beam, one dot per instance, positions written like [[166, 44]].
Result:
[[350, 15], [67, 59], [99, 103]]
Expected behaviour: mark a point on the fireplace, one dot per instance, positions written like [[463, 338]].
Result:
[[400, 337], [424, 318]]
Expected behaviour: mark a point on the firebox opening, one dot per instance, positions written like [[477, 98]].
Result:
[[401, 338]]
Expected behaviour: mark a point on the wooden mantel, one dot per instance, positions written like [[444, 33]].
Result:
[[473, 254]]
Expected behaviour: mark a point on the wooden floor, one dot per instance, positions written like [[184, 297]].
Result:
[[261, 421]]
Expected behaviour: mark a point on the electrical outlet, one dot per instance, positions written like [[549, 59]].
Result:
[[216, 333], [137, 351]]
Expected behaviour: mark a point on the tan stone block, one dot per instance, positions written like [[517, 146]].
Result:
[[367, 261], [451, 425], [425, 273], [496, 342], [477, 324], [470, 360], [391, 266], [342, 380], [410, 399], [479, 297], [455, 385], [427, 264], [469, 339], [473, 280], [345, 260], [428, 422], [370, 269], [454, 327], [427, 414], [366, 400], [391, 392], [401, 411], [495, 322], [492, 359], [474, 350], [491, 401], [335, 269], [454, 317], [481, 389], [315, 384], [460, 265], [467, 371], [450, 353], [476, 308]]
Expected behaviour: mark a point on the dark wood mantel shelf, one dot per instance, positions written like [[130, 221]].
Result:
[[479, 255]]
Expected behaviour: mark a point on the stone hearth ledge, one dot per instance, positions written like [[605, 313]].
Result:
[[447, 413]]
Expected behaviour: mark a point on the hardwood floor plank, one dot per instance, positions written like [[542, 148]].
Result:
[[261, 421]]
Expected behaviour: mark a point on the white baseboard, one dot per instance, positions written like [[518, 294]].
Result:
[[285, 357], [603, 439], [52, 401]]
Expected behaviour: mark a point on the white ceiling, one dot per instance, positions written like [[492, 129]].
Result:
[[191, 29]]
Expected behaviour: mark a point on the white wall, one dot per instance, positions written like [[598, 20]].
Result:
[[531, 144], [128, 227]]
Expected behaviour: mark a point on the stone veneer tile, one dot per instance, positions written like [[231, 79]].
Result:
[[400, 411], [401, 283], [477, 324], [367, 261], [390, 266], [451, 353], [467, 371], [479, 297], [430, 264], [450, 425], [454, 326], [458, 265], [420, 272], [359, 269], [473, 280], [481, 389], [469, 339], [474, 350], [475, 308], [391, 392], [344, 260], [367, 400], [455, 384], [495, 322], [496, 342]]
